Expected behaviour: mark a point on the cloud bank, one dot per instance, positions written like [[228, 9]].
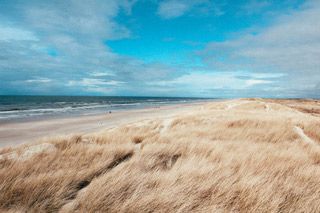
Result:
[[290, 46], [59, 47]]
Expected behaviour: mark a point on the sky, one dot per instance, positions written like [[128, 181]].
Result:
[[185, 48]]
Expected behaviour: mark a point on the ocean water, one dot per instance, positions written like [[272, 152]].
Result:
[[36, 107]]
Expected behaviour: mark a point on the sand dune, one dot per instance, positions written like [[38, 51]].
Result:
[[248, 155]]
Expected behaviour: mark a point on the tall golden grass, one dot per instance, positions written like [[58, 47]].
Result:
[[241, 156]]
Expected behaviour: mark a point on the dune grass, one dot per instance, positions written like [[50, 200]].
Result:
[[240, 155]]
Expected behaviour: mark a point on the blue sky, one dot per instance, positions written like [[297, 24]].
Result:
[[200, 48]]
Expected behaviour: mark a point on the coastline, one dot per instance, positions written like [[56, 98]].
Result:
[[23, 132], [204, 154]]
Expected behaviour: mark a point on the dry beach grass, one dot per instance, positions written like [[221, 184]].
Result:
[[248, 155]]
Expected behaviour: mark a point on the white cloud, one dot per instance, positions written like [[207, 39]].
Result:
[[266, 75], [96, 85], [94, 82], [38, 80], [211, 81], [169, 9], [290, 46], [252, 82], [101, 74], [16, 34], [73, 31], [281, 57], [87, 18], [172, 9]]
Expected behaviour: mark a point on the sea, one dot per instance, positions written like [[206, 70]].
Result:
[[19, 108]]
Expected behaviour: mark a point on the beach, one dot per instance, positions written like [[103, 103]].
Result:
[[21, 132], [243, 155], [132, 106]]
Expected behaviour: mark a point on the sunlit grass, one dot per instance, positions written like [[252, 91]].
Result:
[[241, 155]]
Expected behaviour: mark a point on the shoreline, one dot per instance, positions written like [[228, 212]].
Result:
[[89, 112], [252, 145], [39, 108], [15, 133]]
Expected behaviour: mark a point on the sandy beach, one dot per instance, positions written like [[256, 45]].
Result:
[[245, 155], [15, 133]]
